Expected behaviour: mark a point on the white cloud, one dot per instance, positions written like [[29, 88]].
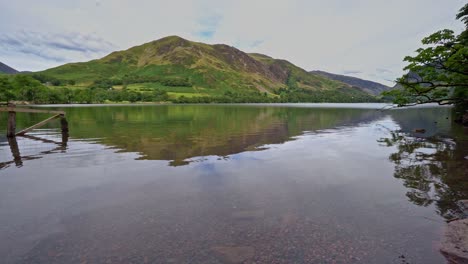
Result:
[[333, 35]]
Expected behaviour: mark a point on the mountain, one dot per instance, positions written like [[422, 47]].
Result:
[[7, 69], [182, 67], [368, 86], [411, 76]]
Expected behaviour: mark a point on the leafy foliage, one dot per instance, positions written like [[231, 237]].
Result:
[[438, 73], [26, 88]]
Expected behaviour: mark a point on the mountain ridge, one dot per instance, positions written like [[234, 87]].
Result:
[[199, 69], [7, 69], [371, 87]]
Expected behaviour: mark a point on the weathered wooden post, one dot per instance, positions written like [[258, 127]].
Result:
[[15, 151], [64, 124], [11, 126], [64, 141]]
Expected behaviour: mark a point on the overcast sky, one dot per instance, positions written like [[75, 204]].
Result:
[[362, 38]]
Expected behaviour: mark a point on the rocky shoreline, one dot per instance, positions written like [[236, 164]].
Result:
[[454, 245]]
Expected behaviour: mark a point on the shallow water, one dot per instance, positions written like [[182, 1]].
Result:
[[232, 184]]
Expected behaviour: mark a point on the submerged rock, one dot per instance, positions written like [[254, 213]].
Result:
[[419, 130], [465, 119], [455, 242]]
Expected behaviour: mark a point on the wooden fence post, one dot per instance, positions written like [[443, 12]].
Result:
[[15, 151], [11, 126], [64, 124]]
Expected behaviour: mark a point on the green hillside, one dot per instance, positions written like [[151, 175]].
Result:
[[187, 71]]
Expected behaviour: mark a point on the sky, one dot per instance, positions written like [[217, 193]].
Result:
[[362, 38]]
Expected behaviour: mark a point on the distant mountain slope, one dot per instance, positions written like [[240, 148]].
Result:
[[7, 69], [368, 86], [173, 62]]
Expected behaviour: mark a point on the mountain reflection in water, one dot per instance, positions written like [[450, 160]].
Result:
[[178, 132], [231, 183]]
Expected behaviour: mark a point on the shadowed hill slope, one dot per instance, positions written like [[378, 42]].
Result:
[[368, 86], [7, 69]]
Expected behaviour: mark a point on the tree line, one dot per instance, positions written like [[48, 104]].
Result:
[[32, 88], [27, 88]]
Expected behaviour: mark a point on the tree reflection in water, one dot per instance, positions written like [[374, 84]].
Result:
[[434, 169]]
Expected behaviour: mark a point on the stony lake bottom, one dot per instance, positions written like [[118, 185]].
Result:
[[298, 183]]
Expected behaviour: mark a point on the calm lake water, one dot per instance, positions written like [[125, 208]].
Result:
[[232, 184]]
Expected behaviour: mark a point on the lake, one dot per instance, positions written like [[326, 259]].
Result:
[[298, 183]]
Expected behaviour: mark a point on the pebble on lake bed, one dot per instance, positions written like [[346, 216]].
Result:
[[248, 214], [231, 254], [455, 242], [464, 205]]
